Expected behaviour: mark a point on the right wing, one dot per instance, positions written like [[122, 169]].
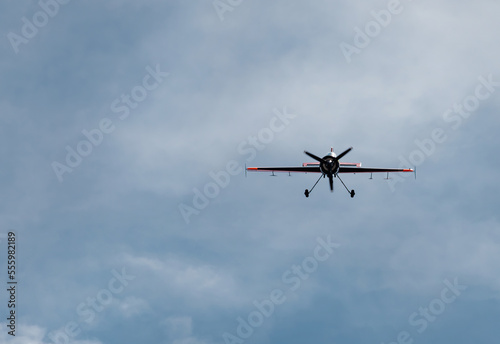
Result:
[[345, 169]]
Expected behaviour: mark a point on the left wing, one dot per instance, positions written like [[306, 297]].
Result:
[[305, 169], [345, 169]]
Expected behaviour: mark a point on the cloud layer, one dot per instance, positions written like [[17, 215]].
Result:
[[231, 65]]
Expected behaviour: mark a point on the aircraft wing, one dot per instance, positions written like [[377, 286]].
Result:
[[316, 169], [304, 169], [346, 169]]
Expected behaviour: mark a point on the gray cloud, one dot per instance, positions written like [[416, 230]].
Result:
[[119, 207]]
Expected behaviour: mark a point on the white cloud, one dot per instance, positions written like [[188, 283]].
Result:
[[32, 334], [194, 283], [132, 306], [179, 330]]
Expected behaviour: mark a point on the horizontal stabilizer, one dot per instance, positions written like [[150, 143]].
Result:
[[352, 164]]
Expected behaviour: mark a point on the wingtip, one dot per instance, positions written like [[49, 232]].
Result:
[[414, 170]]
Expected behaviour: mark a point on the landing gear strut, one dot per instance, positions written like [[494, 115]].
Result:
[[307, 192], [351, 192]]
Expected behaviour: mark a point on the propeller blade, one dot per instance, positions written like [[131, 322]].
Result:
[[343, 153], [314, 156], [330, 178]]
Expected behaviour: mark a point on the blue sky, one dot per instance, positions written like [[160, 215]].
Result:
[[157, 97]]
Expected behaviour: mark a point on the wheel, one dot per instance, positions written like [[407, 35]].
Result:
[[352, 193], [306, 193]]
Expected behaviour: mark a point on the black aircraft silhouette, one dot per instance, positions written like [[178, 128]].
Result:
[[329, 166]]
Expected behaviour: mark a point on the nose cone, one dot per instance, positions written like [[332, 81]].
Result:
[[329, 165]]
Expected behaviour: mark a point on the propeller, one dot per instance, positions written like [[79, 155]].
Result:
[[341, 155], [314, 156]]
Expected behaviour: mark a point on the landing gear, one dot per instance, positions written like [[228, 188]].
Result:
[[351, 192], [307, 192]]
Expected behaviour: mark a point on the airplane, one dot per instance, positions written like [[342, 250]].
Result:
[[330, 166]]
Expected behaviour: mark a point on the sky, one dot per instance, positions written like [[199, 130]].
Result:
[[125, 130]]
